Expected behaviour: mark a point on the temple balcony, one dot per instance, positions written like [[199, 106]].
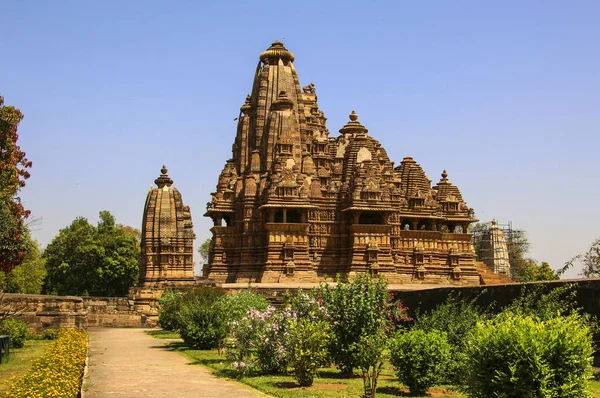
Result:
[[295, 233]]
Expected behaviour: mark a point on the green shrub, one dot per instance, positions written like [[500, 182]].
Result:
[[308, 342], [201, 324], [355, 308], [16, 329], [420, 358], [369, 356], [170, 304], [457, 317], [519, 356], [536, 301], [51, 334]]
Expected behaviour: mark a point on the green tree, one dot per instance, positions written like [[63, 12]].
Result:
[[13, 173], [203, 251], [28, 277], [591, 260], [131, 231], [529, 270], [99, 261]]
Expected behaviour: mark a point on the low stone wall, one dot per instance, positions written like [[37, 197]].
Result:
[[499, 296], [140, 309], [44, 311]]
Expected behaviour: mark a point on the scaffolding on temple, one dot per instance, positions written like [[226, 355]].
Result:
[[499, 246]]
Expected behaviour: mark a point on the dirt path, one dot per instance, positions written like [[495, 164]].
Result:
[[129, 363]]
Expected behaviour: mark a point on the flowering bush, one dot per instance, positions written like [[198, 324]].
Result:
[[259, 340], [308, 341], [245, 333], [236, 306], [271, 341], [309, 306], [58, 372]]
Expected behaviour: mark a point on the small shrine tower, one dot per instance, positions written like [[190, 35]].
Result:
[[167, 237], [494, 251]]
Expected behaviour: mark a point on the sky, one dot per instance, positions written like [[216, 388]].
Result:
[[503, 95]]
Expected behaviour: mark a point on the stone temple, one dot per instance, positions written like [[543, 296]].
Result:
[[167, 244], [295, 204]]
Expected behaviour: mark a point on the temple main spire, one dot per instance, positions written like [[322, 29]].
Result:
[[294, 204]]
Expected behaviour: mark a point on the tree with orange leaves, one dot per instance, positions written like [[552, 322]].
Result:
[[13, 173]]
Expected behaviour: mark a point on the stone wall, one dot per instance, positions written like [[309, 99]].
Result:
[[498, 296], [140, 309], [43, 311]]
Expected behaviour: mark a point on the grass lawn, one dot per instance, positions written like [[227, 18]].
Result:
[[20, 360], [163, 334], [594, 389]]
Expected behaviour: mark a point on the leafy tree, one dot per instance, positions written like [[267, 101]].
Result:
[[356, 308], [591, 260], [131, 231], [27, 277], [529, 270], [203, 250], [99, 261], [13, 173]]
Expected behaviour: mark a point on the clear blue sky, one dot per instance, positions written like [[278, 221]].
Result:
[[505, 96]]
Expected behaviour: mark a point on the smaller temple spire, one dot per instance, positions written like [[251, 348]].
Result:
[[353, 126], [163, 179]]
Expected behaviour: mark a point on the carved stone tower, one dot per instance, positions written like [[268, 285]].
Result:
[[167, 237], [494, 252], [294, 204]]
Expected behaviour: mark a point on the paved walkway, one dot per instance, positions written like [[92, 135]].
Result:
[[129, 363]]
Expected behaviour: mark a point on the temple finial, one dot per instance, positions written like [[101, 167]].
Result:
[[353, 126], [163, 179], [444, 174]]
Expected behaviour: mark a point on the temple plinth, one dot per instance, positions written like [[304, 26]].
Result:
[[296, 204]]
